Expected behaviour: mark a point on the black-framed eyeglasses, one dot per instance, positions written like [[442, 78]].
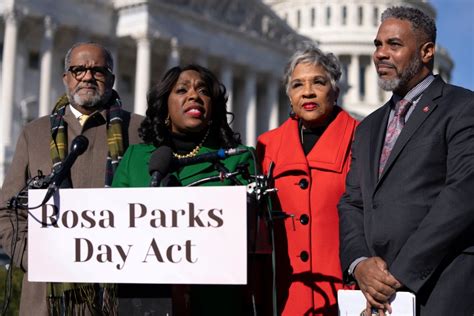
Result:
[[98, 72]]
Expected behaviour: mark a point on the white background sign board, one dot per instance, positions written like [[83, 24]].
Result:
[[140, 235]]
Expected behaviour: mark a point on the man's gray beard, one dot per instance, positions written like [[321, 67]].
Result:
[[388, 84], [95, 102], [402, 79]]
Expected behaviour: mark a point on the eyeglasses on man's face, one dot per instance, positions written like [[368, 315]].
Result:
[[98, 72]]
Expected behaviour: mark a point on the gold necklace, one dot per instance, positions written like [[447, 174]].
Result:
[[193, 152]]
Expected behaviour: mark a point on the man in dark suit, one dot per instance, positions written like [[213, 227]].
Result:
[[407, 217]]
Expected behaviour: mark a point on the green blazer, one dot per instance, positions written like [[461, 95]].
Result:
[[133, 169]]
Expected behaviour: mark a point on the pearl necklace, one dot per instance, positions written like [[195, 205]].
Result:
[[193, 152]]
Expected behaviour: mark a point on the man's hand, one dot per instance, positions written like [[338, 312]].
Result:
[[377, 284]]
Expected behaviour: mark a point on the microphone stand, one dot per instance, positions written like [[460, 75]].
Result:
[[260, 191], [19, 202], [224, 174], [266, 187]]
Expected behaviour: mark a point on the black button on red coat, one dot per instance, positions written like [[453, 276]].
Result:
[[303, 184], [304, 256], [304, 219]]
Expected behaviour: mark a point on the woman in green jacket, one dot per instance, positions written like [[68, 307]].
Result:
[[187, 113]]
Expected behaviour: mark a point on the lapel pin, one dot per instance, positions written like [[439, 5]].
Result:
[[426, 109]]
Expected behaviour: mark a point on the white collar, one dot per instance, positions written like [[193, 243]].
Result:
[[76, 113]]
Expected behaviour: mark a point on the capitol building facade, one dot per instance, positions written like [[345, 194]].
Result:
[[348, 28], [245, 42]]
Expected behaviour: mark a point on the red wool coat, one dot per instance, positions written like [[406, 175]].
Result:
[[307, 238]]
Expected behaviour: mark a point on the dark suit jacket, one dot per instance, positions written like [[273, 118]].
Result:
[[419, 216]]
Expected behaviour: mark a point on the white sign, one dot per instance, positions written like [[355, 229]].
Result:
[[139, 235]]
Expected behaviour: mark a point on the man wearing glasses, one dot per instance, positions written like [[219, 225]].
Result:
[[90, 107]]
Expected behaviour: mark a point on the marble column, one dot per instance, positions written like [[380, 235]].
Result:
[[372, 89], [113, 49], [10, 45], [227, 79], [351, 15], [271, 104], [142, 74], [368, 15], [174, 57], [320, 15], [47, 46], [336, 15], [249, 102], [354, 69]]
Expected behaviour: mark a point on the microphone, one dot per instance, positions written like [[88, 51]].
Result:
[[78, 147], [160, 164], [209, 157]]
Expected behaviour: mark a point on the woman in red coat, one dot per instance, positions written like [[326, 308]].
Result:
[[311, 155]]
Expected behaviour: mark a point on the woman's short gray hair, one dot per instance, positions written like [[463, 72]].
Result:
[[311, 54]]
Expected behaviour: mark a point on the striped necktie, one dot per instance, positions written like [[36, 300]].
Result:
[[83, 118]]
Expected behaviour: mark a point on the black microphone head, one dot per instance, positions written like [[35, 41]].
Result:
[[78, 147], [79, 144], [161, 160]]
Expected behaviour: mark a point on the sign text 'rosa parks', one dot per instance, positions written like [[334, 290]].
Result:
[[139, 216]]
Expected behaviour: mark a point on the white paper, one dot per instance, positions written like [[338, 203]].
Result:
[[353, 302]]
